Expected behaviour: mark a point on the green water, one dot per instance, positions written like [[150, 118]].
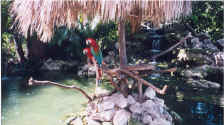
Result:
[[39, 105]]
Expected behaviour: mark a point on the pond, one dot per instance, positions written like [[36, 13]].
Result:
[[48, 105], [38, 105]]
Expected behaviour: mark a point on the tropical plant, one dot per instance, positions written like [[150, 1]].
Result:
[[207, 16]]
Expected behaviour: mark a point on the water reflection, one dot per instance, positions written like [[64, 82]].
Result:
[[196, 113]]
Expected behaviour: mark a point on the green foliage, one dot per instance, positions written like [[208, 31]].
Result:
[[207, 16], [73, 40], [7, 48]]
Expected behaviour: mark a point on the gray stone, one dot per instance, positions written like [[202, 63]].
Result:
[[131, 100], [77, 121], [209, 45], [196, 43], [136, 108], [149, 93], [158, 101], [148, 104], [221, 42], [219, 58], [136, 116], [92, 122], [147, 119], [104, 116], [167, 116], [119, 100], [106, 105], [160, 122], [121, 117], [107, 123]]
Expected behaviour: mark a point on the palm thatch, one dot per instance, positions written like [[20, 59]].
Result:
[[42, 16]]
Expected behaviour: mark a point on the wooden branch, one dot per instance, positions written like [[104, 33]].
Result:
[[140, 67], [167, 70], [172, 47], [144, 82], [36, 82]]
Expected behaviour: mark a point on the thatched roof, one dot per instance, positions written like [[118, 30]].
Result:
[[42, 16]]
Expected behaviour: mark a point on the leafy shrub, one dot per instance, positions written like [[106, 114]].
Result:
[[207, 16]]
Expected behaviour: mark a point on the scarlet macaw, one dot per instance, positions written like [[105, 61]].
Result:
[[95, 50], [97, 54]]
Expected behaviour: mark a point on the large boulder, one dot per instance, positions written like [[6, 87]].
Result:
[[121, 117]]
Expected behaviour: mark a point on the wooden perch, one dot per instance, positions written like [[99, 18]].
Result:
[[144, 82], [36, 82], [140, 67], [172, 47]]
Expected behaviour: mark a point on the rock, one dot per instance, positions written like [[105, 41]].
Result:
[[119, 100], [147, 119], [91, 108], [209, 45], [77, 121], [104, 116], [203, 84], [107, 123], [92, 122], [167, 116], [160, 122], [136, 108], [158, 101], [121, 117], [148, 104], [221, 42], [196, 43], [149, 93], [131, 100], [58, 65], [136, 116], [219, 58], [106, 105], [192, 74]]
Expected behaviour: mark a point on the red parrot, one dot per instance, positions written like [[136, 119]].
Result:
[[97, 54], [87, 51], [95, 50]]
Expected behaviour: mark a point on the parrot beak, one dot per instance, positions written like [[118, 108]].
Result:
[[87, 42], [84, 52]]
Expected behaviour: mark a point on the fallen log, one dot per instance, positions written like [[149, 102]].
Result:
[[160, 91], [36, 82]]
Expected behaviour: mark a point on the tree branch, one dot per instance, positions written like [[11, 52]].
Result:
[[172, 47], [36, 82], [144, 82]]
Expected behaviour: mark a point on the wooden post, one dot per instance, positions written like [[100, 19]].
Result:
[[122, 44], [140, 90]]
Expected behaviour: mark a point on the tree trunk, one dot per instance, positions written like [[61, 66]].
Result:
[[19, 49], [122, 44]]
